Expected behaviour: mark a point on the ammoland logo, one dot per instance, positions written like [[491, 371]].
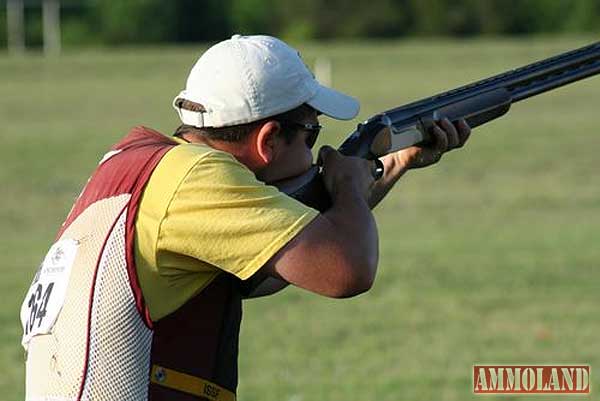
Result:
[[531, 379]]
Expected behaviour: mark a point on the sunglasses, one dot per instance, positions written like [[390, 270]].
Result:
[[313, 129]]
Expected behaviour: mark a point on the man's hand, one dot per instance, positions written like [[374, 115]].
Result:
[[342, 173], [446, 137]]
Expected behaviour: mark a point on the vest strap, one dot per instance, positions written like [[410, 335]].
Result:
[[189, 384]]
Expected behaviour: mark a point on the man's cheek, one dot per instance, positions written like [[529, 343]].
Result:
[[309, 158]]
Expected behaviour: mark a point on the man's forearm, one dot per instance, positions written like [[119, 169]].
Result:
[[351, 216], [336, 254]]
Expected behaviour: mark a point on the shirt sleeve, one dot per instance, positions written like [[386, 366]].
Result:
[[222, 215]]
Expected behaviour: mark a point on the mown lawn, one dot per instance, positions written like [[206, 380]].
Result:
[[490, 257]]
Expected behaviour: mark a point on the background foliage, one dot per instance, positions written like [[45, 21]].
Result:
[[153, 21]]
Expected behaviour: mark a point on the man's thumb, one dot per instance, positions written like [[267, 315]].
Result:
[[324, 153]]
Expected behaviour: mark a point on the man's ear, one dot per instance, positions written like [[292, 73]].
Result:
[[265, 141]]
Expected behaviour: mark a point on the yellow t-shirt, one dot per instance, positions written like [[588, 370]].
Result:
[[203, 213]]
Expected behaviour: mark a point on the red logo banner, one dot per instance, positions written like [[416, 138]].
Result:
[[531, 379]]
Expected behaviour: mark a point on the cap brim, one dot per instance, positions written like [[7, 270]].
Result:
[[334, 104]]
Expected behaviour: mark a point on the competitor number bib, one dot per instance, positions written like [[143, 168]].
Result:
[[46, 295]]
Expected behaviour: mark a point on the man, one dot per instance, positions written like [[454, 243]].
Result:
[[140, 296]]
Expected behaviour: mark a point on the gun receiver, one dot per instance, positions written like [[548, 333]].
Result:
[[478, 103]]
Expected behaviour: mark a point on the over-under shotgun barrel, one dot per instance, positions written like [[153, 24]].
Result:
[[572, 66], [575, 64]]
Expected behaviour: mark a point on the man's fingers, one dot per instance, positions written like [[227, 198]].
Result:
[[453, 138], [464, 131], [441, 139]]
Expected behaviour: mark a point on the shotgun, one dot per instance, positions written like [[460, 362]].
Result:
[[478, 103]]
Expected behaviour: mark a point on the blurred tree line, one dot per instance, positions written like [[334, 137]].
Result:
[[153, 21]]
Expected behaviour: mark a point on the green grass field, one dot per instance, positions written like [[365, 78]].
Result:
[[492, 256]]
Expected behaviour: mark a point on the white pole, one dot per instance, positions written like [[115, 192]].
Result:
[[15, 22], [51, 11], [323, 71]]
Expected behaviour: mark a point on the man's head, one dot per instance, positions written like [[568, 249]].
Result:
[[257, 88]]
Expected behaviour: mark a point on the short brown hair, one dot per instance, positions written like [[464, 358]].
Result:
[[236, 133]]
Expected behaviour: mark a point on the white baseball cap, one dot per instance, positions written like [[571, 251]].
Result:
[[248, 78]]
